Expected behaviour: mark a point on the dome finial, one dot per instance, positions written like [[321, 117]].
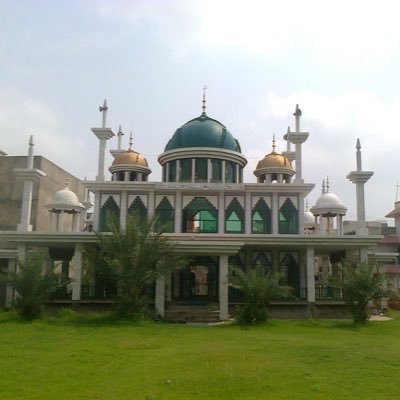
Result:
[[204, 100], [66, 183], [327, 184], [130, 141], [273, 144], [323, 187], [306, 205]]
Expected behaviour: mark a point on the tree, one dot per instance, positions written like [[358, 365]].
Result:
[[133, 258], [259, 289], [33, 285], [361, 284]]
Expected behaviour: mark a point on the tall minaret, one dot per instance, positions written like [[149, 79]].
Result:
[[297, 138], [29, 175], [359, 177], [103, 134]]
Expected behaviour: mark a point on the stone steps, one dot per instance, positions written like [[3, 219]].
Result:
[[191, 313]]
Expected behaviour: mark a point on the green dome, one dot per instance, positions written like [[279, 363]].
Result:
[[203, 132]]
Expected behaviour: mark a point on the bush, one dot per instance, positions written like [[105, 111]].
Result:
[[33, 286]]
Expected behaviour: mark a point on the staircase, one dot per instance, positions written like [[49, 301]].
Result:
[[184, 312]]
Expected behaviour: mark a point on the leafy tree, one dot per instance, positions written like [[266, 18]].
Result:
[[361, 284], [133, 258], [258, 289], [33, 285]]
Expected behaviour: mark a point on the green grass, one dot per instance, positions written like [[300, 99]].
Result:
[[94, 357]]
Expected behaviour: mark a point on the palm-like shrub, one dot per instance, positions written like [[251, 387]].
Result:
[[361, 284], [258, 289], [33, 285], [133, 258]]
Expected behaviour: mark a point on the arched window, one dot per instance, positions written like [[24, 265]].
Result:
[[230, 172], [165, 217], [138, 208], [185, 170], [216, 166], [261, 218], [109, 210], [200, 216], [234, 217], [289, 266], [288, 218], [262, 260], [201, 169]]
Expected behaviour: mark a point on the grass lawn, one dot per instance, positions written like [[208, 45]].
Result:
[[92, 357]]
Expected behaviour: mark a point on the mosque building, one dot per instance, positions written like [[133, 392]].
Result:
[[211, 215]]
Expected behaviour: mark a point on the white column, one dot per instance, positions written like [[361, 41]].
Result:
[[77, 278], [102, 154], [96, 210], [310, 275], [160, 296], [221, 213], [209, 170], [124, 209], [223, 171], [178, 212], [247, 213], [193, 170], [275, 214], [151, 203], [223, 287], [26, 207]]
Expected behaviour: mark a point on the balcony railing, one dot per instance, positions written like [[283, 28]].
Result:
[[328, 293]]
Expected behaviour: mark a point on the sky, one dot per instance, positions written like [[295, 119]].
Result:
[[339, 60]]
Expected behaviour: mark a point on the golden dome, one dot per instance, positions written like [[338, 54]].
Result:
[[274, 160], [130, 157]]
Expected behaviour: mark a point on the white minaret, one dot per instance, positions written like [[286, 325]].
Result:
[[360, 177], [120, 134], [103, 134], [29, 175], [297, 138]]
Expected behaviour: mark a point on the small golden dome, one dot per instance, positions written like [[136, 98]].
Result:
[[274, 160], [130, 157]]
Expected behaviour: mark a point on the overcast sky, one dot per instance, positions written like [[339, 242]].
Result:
[[339, 60]]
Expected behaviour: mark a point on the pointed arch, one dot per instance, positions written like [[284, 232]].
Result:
[[262, 260], [138, 208], [200, 216], [288, 218], [261, 221], [109, 209], [289, 266], [234, 217], [165, 215]]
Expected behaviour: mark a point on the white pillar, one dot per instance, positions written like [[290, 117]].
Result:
[[223, 287], [26, 207], [310, 275], [221, 213], [275, 214], [178, 212], [160, 296], [77, 278], [124, 209], [247, 213], [102, 154]]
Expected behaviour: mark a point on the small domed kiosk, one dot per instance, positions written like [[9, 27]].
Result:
[[274, 168], [65, 203], [329, 209], [129, 166]]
